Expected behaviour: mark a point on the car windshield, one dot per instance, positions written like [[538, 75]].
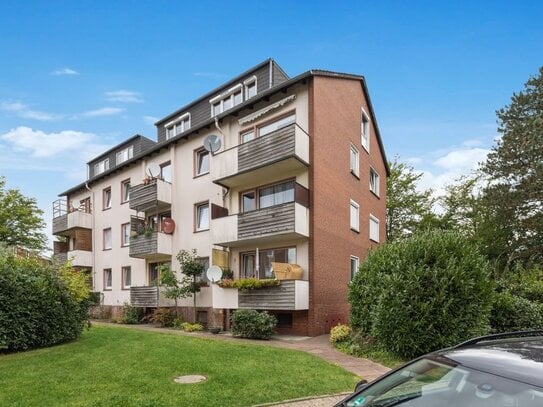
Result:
[[430, 383]]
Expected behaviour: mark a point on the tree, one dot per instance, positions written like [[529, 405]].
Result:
[[408, 210], [21, 222], [192, 268], [174, 288], [513, 195]]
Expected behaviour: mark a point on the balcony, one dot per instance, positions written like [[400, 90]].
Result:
[[153, 246], [156, 194], [65, 219], [291, 295], [285, 221], [144, 296], [282, 152], [79, 256]]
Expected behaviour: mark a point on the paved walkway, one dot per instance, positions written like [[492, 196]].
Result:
[[319, 346]]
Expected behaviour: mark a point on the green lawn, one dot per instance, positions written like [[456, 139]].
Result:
[[118, 366]]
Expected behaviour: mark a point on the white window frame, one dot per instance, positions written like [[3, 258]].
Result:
[[101, 166], [357, 265], [177, 126], [198, 227], [374, 186], [125, 190], [107, 245], [354, 153], [354, 223], [125, 234], [106, 286], [373, 236], [123, 276], [107, 202], [198, 154], [127, 152], [246, 84], [229, 94], [365, 130]]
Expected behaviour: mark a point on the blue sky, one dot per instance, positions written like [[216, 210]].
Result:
[[77, 77]]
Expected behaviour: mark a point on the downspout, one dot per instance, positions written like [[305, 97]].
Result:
[[93, 209]]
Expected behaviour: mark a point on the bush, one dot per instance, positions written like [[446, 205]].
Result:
[[245, 284], [40, 306], [525, 282], [340, 333], [422, 293], [188, 327], [163, 316], [513, 313], [130, 314], [253, 324]]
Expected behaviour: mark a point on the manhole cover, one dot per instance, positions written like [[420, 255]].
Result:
[[191, 378]]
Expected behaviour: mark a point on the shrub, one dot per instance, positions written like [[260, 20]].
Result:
[[130, 314], [38, 307], [423, 293], [513, 313], [525, 282], [188, 327], [253, 324], [245, 284], [178, 323], [340, 333], [163, 316]]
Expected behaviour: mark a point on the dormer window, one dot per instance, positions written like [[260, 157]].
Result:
[[101, 166], [178, 126], [227, 100], [250, 87], [125, 155]]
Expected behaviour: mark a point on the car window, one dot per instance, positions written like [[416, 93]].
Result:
[[428, 383]]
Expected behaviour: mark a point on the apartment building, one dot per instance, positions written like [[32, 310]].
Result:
[[297, 176]]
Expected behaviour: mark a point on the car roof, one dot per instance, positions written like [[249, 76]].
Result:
[[519, 359]]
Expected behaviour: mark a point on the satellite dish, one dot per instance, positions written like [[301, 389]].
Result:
[[214, 273], [212, 143], [153, 170], [168, 225]]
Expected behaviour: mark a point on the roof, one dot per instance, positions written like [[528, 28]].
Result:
[[250, 102], [519, 359], [136, 136]]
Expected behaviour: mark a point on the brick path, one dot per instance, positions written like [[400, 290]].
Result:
[[319, 346]]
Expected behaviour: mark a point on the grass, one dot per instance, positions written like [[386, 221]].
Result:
[[371, 352], [117, 366]]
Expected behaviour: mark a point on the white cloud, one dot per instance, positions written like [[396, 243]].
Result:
[[463, 160], [150, 119], [126, 96], [41, 144], [22, 110], [64, 71], [104, 111]]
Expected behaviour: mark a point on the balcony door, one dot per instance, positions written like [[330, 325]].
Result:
[[265, 259]]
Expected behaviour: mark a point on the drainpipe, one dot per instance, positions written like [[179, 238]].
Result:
[[93, 209]]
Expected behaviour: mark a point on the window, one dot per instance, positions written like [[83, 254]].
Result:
[[355, 263], [178, 126], [365, 131], [106, 198], [250, 87], [355, 217], [247, 136], [101, 166], [125, 191], [204, 261], [374, 229], [248, 202], [126, 275], [279, 124], [202, 162], [166, 171], [107, 239], [374, 182], [276, 194], [202, 216], [125, 234], [228, 100], [354, 161], [108, 279], [249, 261], [154, 273], [125, 155]]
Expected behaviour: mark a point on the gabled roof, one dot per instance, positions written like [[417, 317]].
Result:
[[250, 102], [122, 143]]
